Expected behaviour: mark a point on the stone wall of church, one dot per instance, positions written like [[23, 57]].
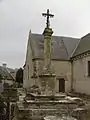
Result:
[[81, 80], [28, 69], [62, 70]]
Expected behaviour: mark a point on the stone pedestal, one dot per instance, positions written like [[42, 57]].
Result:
[[47, 83], [47, 79]]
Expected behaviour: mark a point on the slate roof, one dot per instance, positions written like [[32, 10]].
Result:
[[7, 73], [83, 46], [62, 47]]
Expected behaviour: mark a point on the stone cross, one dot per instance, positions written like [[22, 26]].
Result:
[[47, 76], [47, 42], [48, 15]]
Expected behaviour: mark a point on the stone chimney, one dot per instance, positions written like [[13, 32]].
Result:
[[4, 65]]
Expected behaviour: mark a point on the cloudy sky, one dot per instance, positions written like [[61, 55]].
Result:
[[17, 17]]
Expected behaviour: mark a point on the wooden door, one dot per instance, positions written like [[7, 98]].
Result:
[[61, 85]]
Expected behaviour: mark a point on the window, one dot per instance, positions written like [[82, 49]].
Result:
[[88, 68]]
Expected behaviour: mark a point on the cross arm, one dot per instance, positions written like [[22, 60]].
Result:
[[45, 14]]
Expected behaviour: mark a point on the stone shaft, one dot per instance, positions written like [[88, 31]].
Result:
[[47, 48]]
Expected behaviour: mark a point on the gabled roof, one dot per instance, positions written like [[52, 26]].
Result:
[[7, 73], [83, 46], [70, 44], [62, 47]]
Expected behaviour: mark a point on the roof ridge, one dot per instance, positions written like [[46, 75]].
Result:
[[85, 35], [65, 46], [29, 44], [75, 48], [82, 45], [56, 36], [65, 37]]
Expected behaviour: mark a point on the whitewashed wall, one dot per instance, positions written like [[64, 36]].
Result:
[[81, 81]]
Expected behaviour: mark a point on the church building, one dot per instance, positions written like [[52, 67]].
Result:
[[70, 61]]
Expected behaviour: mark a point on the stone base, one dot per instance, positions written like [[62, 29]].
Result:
[[47, 83], [38, 109]]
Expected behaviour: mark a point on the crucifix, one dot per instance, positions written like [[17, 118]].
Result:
[[47, 15], [47, 74]]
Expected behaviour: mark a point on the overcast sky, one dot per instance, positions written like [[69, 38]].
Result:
[[17, 17]]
